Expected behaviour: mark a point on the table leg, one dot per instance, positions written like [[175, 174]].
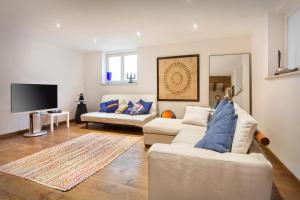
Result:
[[68, 120], [51, 124], [56, 120]]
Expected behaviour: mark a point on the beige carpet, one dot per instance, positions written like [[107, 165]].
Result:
[[66, 165]]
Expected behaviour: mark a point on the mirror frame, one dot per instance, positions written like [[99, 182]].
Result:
[[250, 74]]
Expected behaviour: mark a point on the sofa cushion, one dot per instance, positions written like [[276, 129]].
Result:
[[189, 136], [195, 115], [244, 133], [220, 134], [114, 118], [166, 126]]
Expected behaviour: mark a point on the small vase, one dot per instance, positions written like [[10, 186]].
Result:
[[108, 76]]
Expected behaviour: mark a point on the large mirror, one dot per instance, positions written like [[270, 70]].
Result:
[[230, 75]]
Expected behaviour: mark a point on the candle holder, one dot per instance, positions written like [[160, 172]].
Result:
[[130, 77]]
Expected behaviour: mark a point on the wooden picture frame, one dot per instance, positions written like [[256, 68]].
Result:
[[178, 78]]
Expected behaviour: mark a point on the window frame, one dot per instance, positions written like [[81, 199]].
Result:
[[122, 55]]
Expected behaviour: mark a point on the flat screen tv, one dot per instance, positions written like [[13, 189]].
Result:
[[33, 97]]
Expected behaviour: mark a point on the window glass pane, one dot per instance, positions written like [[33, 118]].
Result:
[[130, 66], [114, 66]]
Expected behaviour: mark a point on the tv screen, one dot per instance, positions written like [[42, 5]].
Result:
[[33, 97]]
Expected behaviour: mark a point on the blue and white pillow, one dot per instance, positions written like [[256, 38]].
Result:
[[220, 135], [109, 106], [137, 109], [130, 105]]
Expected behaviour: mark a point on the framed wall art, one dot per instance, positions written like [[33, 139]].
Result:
[[178, 78]]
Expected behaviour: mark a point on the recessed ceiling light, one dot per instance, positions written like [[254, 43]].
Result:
[[57, 25], [138, 34], [195, 26], [95, 40]]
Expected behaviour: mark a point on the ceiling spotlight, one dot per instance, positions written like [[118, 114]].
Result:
[[57, 25], [195, 26], [95, 40], [138, 34]]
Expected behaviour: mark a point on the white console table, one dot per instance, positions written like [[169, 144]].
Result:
[[56, 115]]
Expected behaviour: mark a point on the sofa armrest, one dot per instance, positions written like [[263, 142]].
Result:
[[182, 172]]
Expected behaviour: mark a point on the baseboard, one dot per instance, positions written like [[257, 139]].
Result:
[[5, 135], [274, 159]]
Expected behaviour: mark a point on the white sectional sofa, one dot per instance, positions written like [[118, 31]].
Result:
[[179, 171], [123, 119]]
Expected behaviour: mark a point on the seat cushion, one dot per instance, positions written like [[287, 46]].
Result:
[[189, 136], [167, 126], [114, 118]]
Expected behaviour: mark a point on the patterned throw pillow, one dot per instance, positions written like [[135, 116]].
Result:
[[129, 105], [137, 109], [109, 106], [103, 106], [147, 106], [122, 107]]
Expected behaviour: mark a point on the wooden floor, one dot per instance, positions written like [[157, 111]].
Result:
[[124, 178]]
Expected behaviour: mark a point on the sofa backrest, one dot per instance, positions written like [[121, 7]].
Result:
[[134, 99]]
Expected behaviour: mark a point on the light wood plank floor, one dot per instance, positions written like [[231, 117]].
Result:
[[124, 178]]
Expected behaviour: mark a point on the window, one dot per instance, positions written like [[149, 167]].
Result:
[[293, 40], [122, 66]]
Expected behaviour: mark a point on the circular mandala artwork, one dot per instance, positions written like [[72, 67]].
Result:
[[177, 78]]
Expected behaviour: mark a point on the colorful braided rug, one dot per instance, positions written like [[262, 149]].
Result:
[[66, 165]]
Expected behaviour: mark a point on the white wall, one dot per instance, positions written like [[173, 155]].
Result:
[[147, 68], [275, 102], [28, 61], [92, 73]]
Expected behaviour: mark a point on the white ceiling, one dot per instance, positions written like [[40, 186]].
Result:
[[114, 23]]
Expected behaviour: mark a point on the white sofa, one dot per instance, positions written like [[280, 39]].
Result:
[[178, 171], [123, 119]]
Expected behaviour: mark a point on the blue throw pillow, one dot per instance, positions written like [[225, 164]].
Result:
[[127, 111], [109, 106], [220, 135], [112, 106], [103, 105], [146, 105], [137, 109], [219, 108]]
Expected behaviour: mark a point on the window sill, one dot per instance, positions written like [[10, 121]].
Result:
[[119, 83], [282, 75]]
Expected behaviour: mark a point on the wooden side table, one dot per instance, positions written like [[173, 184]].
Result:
[[55, 115]]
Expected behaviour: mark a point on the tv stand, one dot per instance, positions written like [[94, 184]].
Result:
[[35, 125]]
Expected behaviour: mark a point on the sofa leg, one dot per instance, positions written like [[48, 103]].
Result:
[[87, 124], [147, 146]]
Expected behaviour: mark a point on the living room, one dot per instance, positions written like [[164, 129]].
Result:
[[80, 47]]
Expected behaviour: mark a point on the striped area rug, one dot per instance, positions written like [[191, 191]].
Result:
[[66, 165]]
